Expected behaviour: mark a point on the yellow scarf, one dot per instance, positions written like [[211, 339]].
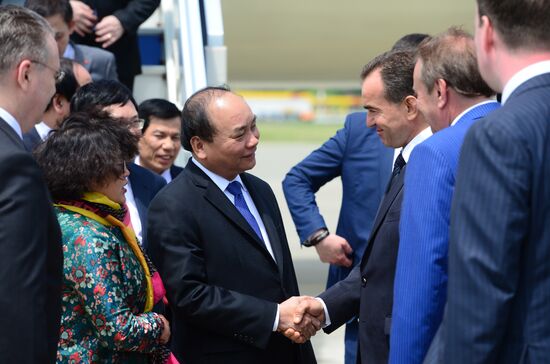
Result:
[[127, 232]]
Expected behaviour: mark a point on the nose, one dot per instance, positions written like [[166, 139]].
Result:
[[254, 139], [370, 121], [126, 171]]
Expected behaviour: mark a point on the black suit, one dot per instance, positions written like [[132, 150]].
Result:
[[368, 290], [175, 171], [130, 13], [145, 185], [31, 260], [31, 139], [222, 282]]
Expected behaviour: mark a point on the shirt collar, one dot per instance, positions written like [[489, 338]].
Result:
[[43, 130], [8, 118], [468, 110], [419, 138], [524, 75], [218, 180]]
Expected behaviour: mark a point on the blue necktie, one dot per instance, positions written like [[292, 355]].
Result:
[[234, 188]]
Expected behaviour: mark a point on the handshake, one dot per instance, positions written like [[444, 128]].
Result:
[[300, 318]]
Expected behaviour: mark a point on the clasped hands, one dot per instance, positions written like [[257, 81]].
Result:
[[300, 318]]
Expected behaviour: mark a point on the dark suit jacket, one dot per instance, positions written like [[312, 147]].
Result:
[[145, 185], [369, 287], [222, 283], [499, 252], [100, 63], [31, 260], [130, 13], [358, 157], [175, 171], [31, 139]]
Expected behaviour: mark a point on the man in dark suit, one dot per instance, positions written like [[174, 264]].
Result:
[[160, 141], [98, 62], [354, 153], [218, 240], [113, 25], [499, 276], [452, 96], [30, 239], [388, 96], [116, 99]]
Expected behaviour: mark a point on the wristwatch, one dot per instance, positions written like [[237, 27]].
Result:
[[316, 237]]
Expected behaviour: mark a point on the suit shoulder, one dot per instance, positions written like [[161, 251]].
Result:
[[95, 53]]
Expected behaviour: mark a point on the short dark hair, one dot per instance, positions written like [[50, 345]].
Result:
[[521, 23], [159, 108], [22, 36], [68, 84], [195, 118], [48, 8], [396, 69], [409, 41], [86, 150], [100, 94], [451, 56]]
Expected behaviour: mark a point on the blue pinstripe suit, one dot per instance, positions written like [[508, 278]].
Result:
[[499, 253], [421, 276]]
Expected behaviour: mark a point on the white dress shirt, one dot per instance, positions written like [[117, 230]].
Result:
[[132, 209], [43, 130]]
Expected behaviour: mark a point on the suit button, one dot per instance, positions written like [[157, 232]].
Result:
[[363, 281]]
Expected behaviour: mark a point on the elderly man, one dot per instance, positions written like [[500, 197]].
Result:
[[30, 240], [452, 96], [499, 276], [217, 237], [388, 96]]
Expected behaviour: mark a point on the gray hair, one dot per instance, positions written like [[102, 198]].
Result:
[[22, 36]]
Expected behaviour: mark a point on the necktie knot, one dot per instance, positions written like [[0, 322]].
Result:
[[399, 163], [234, 188]]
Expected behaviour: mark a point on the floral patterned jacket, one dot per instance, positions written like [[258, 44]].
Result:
[[104, 293]]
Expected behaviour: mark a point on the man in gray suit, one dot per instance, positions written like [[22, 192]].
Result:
[[499, 276], [99, 62]]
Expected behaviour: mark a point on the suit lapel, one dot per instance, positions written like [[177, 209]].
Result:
[[266, 214], [139, 190], [395, 188], [220, 201], [6, 128]]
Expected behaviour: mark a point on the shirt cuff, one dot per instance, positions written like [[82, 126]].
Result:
[[276, 323], [327, 317]]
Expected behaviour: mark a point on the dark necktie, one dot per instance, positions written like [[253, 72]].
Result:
[[397, 167], [235, 189]]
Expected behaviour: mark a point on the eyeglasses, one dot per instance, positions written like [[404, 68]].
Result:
[[58, 75], [137, 123], [122, 167]]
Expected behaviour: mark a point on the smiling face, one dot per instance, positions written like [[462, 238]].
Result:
[[114, 187], [389, 119], [160, 144], [233, 148]]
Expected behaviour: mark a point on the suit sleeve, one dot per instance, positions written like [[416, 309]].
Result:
[[26, 282], [307, 177], [420, 285], [342, 299], [135, 13], [177, 250], [489, 226]]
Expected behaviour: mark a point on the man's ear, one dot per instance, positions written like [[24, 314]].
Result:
[[24, 73], [411, 106], [442, 92], [58, 102], [486, 33], [198, 146]]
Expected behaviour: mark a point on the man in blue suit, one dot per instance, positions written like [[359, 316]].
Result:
[[499, 273], [355, 154], [452, 96]]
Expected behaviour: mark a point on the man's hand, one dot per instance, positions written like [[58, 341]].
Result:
[[83, 17], [303, 325], [307, 307], [335, 250], [108, 31]]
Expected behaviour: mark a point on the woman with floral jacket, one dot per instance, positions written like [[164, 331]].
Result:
[[109, 285]]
